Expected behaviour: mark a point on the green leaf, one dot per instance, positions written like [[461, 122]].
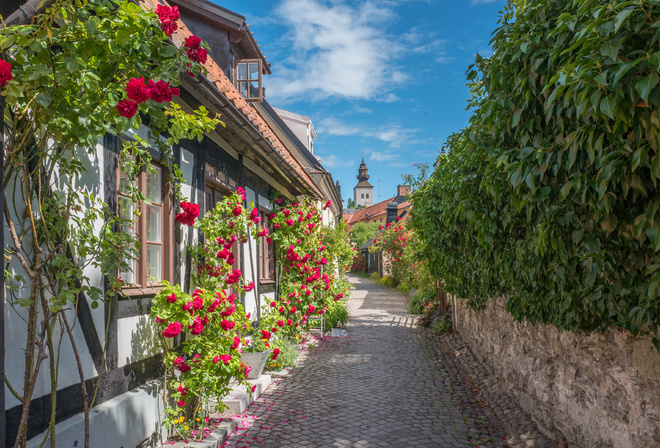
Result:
[[611, 48], [602, 78], [654, 60], [653, 234], [608, 105], [516, 118], [655, 166], [620, 18], [645, 84]]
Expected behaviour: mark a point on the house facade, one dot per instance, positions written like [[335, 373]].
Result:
[[118, 342]]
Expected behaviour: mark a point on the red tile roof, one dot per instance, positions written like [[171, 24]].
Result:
[[371, 212], [224, 85]]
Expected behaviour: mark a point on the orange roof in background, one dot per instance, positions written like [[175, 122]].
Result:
[[217, 77], [373, 211]]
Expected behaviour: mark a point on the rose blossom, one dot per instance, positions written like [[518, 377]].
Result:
[[227, 325], [127, 108], [160, 91], [172, 330], [192, 42], [136, 90], [180, 403], [241, 192], [5, 73], [265, 334], [237, 342], [225, 358], [171, 298]]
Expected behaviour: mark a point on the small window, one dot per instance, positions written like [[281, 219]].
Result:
[[362, 196], [367, 195], [266, 252], [151, 227], [247, 79]]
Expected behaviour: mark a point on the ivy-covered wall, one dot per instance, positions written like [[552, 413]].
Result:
[[550, 197]]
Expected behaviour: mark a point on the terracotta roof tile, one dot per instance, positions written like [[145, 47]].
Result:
[[217, 76]]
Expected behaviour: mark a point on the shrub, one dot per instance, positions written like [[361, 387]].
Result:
[[336, 314], [421, 299], [375, 276], [288, 356], [441, 326], [551, 197]]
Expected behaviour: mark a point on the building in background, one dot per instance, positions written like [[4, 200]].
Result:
[[399, 205], [363, 193]]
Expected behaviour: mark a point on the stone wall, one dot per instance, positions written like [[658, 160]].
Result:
[[600, 390]]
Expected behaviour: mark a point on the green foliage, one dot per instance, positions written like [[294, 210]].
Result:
[[350, 203], [375, 276], [388, 280], [550, 196], [420, 299], [441, 326], [336, 314], [361, 232], [288, 356]]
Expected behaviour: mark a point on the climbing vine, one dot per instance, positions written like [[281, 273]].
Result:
[[75, 73], [550, 196]]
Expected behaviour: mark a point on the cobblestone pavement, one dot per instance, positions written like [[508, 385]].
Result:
[[386, 384]]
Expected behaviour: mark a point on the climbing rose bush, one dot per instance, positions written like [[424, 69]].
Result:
[[203, 332], [305, 285]]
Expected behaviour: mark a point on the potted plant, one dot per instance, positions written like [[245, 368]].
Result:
[[336, 316], [254, 355]]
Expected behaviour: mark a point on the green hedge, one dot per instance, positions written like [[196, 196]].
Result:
[[550, 196]]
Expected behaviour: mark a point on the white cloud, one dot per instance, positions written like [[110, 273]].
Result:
[[337, 50], [394, 135], [332, 161]]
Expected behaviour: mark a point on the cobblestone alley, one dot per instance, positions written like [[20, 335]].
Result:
[[386, 384]]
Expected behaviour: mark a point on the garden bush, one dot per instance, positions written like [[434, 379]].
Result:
[[550, 196]]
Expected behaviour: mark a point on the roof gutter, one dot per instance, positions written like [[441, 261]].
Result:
[[266, 147], [25, 12]]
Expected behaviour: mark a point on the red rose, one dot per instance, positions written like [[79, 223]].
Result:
[[159, 91], [265, 334], [237, 210], [199, 55], [172, 330], [180, 403], [192, 42], [249, 287], [289, 322], [5, 73], [127, 108], [171, 298], [227, 325], [196, 327], [237, 342], [136, 90], [276, 351], [183, 367]]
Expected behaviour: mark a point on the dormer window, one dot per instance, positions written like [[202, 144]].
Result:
[[247, 79]]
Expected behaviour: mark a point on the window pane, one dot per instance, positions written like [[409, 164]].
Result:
[[154, 185], [153, 263], [242, 88], [254, 70], [254, 89], [242, 70], [153, 213], [126, 209]]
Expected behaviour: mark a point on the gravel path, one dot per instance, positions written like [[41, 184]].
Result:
[[386, 384]]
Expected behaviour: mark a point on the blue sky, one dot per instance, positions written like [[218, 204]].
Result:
[[381, 78]]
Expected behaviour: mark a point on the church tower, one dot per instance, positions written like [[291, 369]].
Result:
[[363, 193]]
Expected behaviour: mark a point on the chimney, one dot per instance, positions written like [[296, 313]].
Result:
[[391, 212], [402, 190]]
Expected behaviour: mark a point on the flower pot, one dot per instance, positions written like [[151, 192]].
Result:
[[337, 332], [256, 361]]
